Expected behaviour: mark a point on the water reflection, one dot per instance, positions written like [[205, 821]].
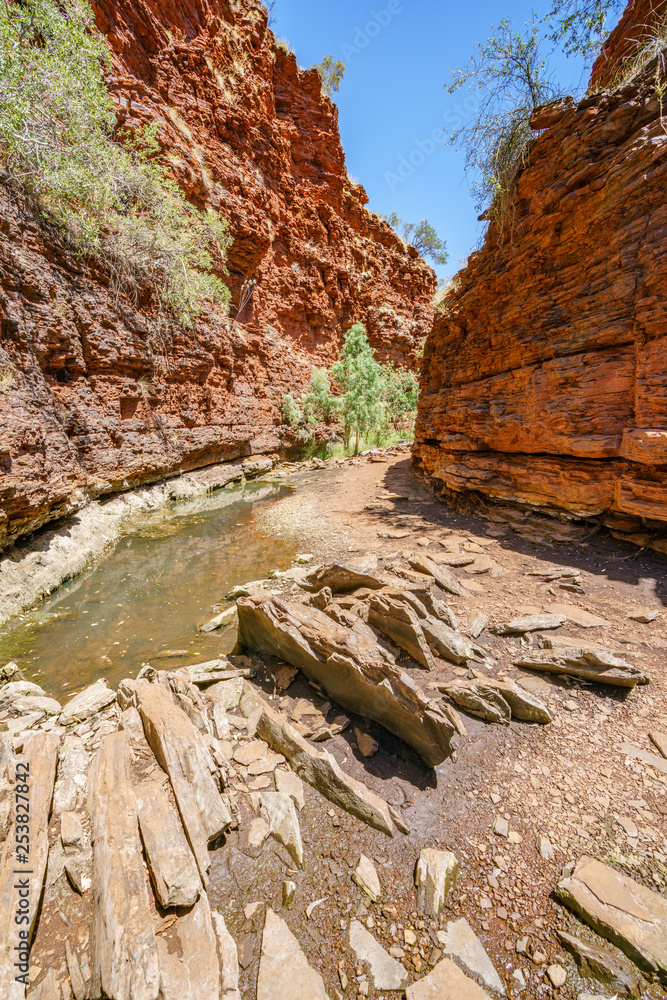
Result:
[[151, 593]]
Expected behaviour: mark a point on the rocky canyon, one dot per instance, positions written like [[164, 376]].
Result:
[[98, 393]]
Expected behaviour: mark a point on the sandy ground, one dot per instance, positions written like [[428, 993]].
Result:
[[570, 782]]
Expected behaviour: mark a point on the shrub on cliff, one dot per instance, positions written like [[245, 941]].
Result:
[[107, 192], [331, 74], [582, 24], [510, 71]]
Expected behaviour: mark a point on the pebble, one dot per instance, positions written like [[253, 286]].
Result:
[[557, 975]]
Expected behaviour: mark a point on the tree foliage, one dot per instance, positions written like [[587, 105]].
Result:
[[511, 72], [331, 73], [108, 192], [422, 236], [372, 398], [581, 25]]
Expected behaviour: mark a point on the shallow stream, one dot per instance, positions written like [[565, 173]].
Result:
[[148, 597]]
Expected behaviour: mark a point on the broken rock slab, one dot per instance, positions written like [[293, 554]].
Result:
[[401, 624], [479, 699], [188, 952], [228, 959], [319, 769], [444, 578], [284, 972], [181, 752], [591, 665], [645, 757], [530, 623], [523, 705], [435, 877], [171, 863], [621, 910], [124, 950], [355, 672], [384, 972], [596, 963], [459, 940], [87, 703], [446, 982], [659, 740]]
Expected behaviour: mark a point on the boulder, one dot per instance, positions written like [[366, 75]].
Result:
[[355, 672], [530, 623], [366, 877], [522, 704], [280, 814], [341, 578], [603, 667]]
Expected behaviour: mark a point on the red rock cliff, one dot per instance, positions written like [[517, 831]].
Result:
[[92, 395], [545, 379]]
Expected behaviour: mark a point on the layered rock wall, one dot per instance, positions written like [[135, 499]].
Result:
[[545, 378], [95, 394]]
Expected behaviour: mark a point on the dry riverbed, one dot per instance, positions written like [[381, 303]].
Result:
[[518, 804]]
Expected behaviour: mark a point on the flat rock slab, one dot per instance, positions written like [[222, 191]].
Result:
[[319, 769], [621, 910], [589, 664], [87, 703], [446, 982], [384, 972], [40, 754], [597, 963], [659, 763], [577, 616], [459, 939], [171, 863], [124, 950], [188, 951], [355, 672], [228, 959], [284, 972], [530, 623], [183, 754]]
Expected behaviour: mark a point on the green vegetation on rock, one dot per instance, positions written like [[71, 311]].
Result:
[[420, 235], [331, 73], [105, 189]]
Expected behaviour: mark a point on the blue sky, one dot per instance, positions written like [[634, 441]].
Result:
[[398, 55]]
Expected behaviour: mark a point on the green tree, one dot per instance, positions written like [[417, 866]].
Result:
[[581, 25], [319, 405], [401, 394], [422, 236], [511, 72], [109, 193], [331, 73], [360, 379]]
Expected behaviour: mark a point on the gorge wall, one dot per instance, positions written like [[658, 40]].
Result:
[[95, 395], [545, 377]]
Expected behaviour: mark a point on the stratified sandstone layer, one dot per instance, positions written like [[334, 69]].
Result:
[[545, 380], [94, 394]]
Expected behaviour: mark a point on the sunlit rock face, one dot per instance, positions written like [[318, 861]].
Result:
[[545, 379], [93, 393]]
